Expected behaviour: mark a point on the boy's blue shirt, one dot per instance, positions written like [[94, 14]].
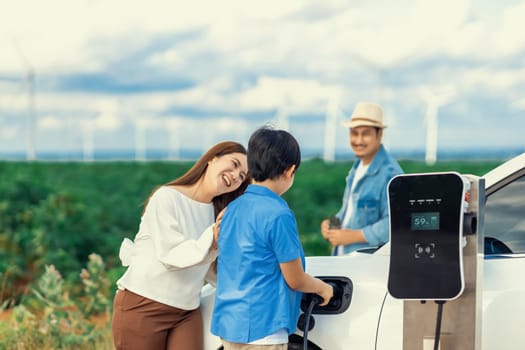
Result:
[[252, 300]]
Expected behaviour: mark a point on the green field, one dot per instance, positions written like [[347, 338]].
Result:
[[58, 213]]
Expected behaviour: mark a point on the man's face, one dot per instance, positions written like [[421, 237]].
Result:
[[365, 142]]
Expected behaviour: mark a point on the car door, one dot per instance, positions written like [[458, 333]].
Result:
[[504, 265]]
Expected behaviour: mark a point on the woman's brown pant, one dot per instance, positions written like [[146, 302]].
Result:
[[141, 323]]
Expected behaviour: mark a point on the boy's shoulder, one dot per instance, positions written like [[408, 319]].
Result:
[[262, 200]]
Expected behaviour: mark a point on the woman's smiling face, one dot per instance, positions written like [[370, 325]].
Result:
[[228, 171]]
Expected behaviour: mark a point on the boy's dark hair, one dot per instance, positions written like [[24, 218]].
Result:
[[271, 152]]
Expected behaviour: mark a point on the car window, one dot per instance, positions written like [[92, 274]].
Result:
[[505, 219]]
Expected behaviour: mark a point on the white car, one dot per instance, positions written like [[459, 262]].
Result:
[[374, 318]]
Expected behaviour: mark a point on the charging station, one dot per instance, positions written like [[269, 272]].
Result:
[[436, 242]]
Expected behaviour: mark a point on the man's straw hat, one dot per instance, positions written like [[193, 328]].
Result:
[[366, 114]]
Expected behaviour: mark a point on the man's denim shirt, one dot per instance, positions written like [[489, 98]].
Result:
[[370, 202]]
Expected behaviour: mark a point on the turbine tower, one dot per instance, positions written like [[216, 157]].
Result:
[[141, 126], [31, 154], [31, 124], [281, 118], [434, 101], [88, 149], [330, 126], [173, 126]]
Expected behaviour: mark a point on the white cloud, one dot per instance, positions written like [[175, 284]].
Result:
[[107, 121], [384, 33], [58, 33], [519, 104], [491, 35], [9, 132], [299, 95], [510, 38], [502, 82], [50, 122], [169, 57]]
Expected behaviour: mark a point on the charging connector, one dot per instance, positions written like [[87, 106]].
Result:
[[310, 305]]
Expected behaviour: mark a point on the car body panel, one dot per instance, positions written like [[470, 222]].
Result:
[[503, 303]]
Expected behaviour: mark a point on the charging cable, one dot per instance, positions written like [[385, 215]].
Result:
[[315, 300], [438, 323]]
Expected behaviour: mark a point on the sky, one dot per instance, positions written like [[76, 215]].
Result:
[[93, 75]]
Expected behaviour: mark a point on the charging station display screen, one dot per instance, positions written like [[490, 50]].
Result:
[[424, 221]]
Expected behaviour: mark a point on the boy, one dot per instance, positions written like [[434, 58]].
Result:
[[260, 273]]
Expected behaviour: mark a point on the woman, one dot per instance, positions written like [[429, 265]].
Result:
[[157, 304]]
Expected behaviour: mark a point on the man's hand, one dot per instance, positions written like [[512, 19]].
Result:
[[325, 227], [338, 236], [344, 236]]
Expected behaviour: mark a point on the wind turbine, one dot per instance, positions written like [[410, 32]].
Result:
[[434, 101], [141, 125], [173, 126], [383, 91], [88, 129], [330, 126], [31, 115], [282, 117]]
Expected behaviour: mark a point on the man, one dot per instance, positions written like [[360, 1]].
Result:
[[363, 216]]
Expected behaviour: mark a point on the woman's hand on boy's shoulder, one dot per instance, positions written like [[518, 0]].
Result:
[[216, 228]]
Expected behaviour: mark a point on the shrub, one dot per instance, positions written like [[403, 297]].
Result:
[[49, 319]]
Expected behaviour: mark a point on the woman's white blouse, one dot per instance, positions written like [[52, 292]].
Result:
[[170, 255]]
